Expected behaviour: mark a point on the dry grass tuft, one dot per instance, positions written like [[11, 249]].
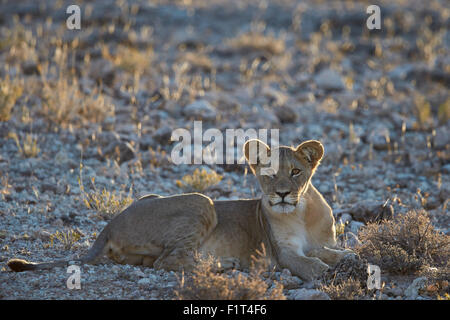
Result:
[[255, 41], [67, 238], [10, 92], [130, 59], [205, 283], [347, 279], [64, 103], [28, 148], [200, 180], [106, 203], [404, 244], [349, 289]]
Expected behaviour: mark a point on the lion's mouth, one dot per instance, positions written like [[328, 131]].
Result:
[[282, 203]]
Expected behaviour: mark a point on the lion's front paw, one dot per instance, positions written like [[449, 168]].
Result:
[[316, 268]]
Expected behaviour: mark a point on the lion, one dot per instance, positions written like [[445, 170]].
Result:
[[291, 221]]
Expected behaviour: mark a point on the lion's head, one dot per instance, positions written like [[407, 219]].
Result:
[[283, 187]]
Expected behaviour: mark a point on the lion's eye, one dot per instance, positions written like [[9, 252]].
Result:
[[295, 172]]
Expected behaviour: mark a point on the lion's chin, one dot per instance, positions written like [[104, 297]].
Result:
[[283, 208]]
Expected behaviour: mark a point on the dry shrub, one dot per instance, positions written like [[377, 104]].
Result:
[[106, 203], [206, 283], [349, 289], [10, 92], [438, 282], [64, 100], [28, 148], [66, 238], [130, 59], [347, 279], [404, 244], [199, 180], [64, 103], [255, 41], [197, 61]]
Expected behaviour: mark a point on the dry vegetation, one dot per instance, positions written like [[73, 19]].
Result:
[[349, 289], [199, 180], [66, 238], [405, 244], [207, 282], [105, 203]]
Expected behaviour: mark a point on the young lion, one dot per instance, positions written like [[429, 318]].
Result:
[[291, 220]]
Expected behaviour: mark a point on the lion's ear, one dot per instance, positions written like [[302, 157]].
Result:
[[311, 150], [255, 152]]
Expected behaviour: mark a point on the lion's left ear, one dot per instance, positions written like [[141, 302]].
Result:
[[311, 150]]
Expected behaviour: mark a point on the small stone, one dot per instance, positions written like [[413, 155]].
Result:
[[124, 151], [162, 135], [379, 137], [329, 79], [351, 240], [30, 67], [286, 114], [309, 294], [102, 71], [140, 274], [442, 138], [286, 273], [412, 292], [345, 218], [200, 110], [355, 226], [144, 281], [396, 291], [371, 210]]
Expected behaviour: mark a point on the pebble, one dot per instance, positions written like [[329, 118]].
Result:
[[412, 292], [329, 79], [308, 294], [200, 110]]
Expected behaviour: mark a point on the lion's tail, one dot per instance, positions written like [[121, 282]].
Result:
[[97, 251]]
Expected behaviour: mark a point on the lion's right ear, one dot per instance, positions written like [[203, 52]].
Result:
[[255, 152], [312, 151]]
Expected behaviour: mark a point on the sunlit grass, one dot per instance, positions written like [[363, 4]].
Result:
[[199, 180]]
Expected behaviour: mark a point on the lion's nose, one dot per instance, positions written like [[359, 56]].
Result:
[[282, 194]]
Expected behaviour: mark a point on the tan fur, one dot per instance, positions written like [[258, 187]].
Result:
[[165, 232]]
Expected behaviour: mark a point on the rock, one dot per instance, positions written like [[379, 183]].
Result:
[[401, 72], [345, 218], [144, 282], [139, 273], [286, 114], [442, 138], [355, 226], [163, 134], [350, 240], [329, 79], [396, 291], [371, 210], [124, 151], [308, 294], [146, 142], [412, 292], [200, 110], [446, 168], [286, 273], [30, 67], [102, 71], [379, 137]]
